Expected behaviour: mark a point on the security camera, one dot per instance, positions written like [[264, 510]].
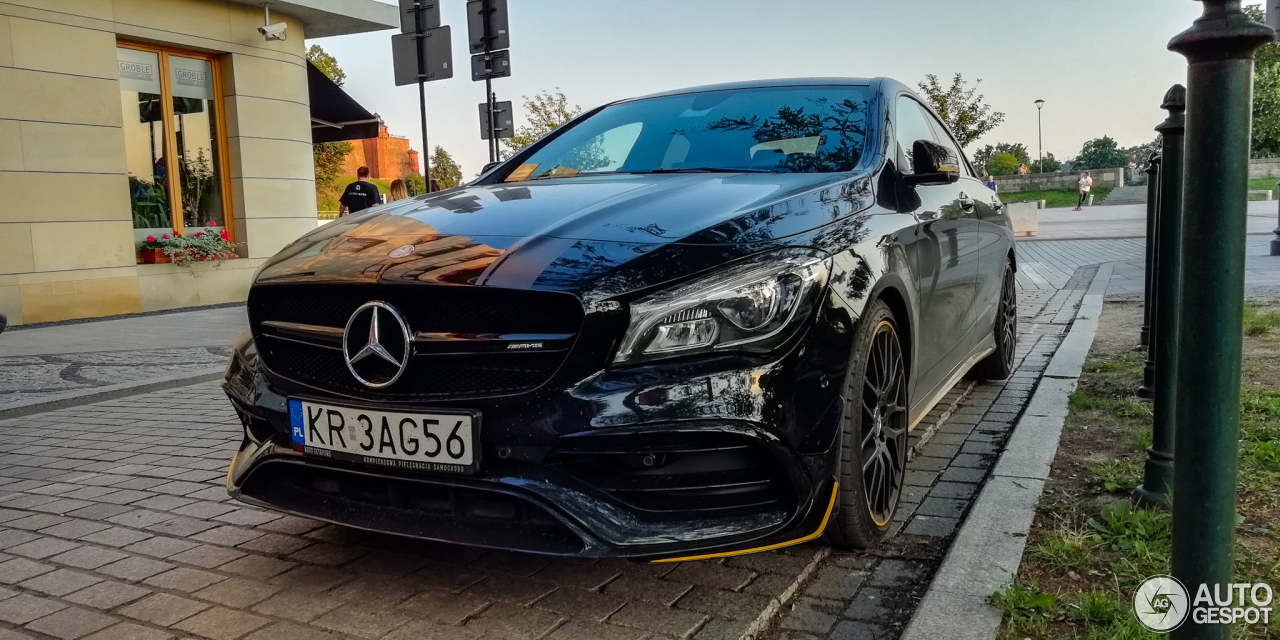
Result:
[[274, 31]]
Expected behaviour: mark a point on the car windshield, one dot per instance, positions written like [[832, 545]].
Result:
[[812, 129]]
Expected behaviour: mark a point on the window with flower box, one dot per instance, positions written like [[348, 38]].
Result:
[[175, 147]]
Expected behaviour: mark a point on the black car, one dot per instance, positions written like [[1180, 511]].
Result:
[[689, 325]]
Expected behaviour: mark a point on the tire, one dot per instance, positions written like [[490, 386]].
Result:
[[999, 364], [873, 442]]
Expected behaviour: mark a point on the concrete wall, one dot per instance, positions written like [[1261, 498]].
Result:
[[1058, 180], [66, 236], [1264, 168]]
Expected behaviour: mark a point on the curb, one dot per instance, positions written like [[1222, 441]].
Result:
[[987, 550], [109, 392]]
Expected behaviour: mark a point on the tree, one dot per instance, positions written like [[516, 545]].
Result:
[[1139, 154], [1100, 153], [1265, 142], [1051, 164], [544, 113], [328, 156], [1003, 164], [961, 107], [327, 64], [444, 169], [1017, 150]]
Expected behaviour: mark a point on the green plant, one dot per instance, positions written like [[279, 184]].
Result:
[[1145, 533], [149, 203], [1002, 164], [1065, 549], [1258, 323], [1026, 607], [202, 246], [197, 184], [1117, 476]]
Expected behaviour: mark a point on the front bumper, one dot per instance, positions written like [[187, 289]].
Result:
[[542, 486]]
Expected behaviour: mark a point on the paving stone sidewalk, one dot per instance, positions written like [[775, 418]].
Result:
[[872, 595]]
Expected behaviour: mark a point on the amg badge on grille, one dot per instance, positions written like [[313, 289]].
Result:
[[517, 346]]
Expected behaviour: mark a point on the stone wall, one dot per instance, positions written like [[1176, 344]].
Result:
[[388, 157], [1264, 168], [1059, 180]]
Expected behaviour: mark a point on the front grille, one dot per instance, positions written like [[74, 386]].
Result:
[[420, 509], [667, 474], [427, 309]]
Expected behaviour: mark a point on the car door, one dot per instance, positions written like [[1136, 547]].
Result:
[[944, 256], [975, 203]]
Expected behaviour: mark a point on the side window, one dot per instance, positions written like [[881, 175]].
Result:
[[945, 139], [911, 124]]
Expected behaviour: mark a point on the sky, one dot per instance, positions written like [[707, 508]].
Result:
[[1101, 66]]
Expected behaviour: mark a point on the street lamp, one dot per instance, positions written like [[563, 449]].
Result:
[[1040, 133]]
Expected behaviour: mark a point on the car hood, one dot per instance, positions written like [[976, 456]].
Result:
[[561, 233]]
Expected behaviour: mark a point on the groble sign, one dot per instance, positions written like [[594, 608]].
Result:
[[376, 344]]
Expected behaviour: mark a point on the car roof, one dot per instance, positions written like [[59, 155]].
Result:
[[760, 84]]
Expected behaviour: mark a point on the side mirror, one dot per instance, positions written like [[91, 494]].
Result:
[[932, 163], [488, 167]]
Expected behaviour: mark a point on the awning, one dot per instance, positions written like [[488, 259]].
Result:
[[334, 114]]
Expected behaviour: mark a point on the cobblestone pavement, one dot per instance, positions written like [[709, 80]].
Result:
[[33, 377], [872, 594]]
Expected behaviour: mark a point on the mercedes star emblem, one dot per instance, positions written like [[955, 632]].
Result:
[[376, 344]]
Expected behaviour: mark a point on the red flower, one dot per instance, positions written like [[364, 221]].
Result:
[[151, 238], [213, 223], [226, 236], [199, 233], [165, 236]]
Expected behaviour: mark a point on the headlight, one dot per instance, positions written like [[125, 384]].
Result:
[[751, 306]]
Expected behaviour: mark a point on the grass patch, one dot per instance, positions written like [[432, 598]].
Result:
[[1056, 197], [1088, 550], [1265, 184], [1257, 323]]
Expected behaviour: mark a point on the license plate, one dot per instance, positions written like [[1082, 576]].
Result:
[[420, 441]]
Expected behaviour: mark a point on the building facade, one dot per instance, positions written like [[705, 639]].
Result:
[[388, 157], [121, 119]]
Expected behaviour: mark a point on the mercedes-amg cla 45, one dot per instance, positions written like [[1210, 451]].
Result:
[[687, 325]]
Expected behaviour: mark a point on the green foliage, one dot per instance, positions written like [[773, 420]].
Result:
[[1259, 323], [1144, 533], [1064, 550], [961, 107], [327, 64], [1027, 609], [1002, 164], [982, 157], [1265, 139], [444, 169], [415, 184], [201, 246], [1100, 153], [328, 157], [1117, 476], [1139, 154], [150, 205], [544, 113], [1051, 164]]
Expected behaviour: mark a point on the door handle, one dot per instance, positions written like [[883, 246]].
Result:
[[966, 202]]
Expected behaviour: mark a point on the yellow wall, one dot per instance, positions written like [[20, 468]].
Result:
[[68, 251]]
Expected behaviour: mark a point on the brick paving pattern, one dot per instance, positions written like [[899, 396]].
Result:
[[36, 376], [871, 595]]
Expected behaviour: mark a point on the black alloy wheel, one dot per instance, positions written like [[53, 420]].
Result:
[[999, 364], [874, 449]]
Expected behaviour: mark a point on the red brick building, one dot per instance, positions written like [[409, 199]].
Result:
[[388, 157]]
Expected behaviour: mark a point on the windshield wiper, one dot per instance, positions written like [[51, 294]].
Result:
[[704, 170]]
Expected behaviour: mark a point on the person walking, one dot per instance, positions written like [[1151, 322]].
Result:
[[398, 191], [1086, 183], [358, 195]]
